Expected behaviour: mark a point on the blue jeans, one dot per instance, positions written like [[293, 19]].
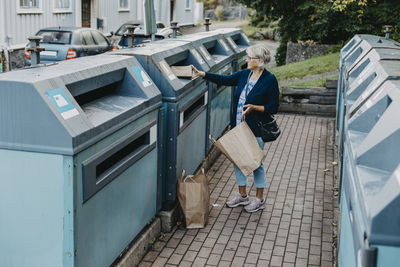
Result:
[[259, 173]]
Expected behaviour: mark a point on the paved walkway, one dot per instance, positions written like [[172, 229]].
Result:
[[296, 227]]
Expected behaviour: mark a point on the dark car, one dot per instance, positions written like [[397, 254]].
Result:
[[63, 43], [140, 36]]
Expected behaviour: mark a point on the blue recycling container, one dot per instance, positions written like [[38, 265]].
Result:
[[370, 213], [239, 42], [221, 59], [79, 157], [185, 101]]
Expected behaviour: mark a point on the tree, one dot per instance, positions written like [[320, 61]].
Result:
[[325, 21]]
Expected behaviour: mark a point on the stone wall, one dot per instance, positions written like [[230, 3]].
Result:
[[300, 51]]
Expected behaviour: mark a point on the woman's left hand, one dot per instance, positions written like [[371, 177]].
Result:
[[251, 107]]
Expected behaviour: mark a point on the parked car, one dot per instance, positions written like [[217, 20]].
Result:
[[63, 43], [140, 36]]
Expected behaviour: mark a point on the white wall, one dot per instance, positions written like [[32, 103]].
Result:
[[19, 25], [182, 14], [162, 11], [114, 16]]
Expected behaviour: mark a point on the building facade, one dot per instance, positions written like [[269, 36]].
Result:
[[20, 19]]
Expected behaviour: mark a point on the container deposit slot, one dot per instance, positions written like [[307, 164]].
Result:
[[107, 164], [191, 110]]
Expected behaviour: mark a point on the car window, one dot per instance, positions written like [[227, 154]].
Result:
[[99, 39], [55, 37], [121, 30], [87, 38]]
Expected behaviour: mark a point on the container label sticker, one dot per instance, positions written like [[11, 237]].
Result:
[[142, 76], [233, 44], [197, 56], [245, 37], [167, 70], [222, 42], [205, 52], [62, 103]]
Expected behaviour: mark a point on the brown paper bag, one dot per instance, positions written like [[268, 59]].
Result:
[[194, 197], [183, 71], [240, 146]]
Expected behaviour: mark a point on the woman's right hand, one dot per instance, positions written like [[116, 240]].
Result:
[[196, 72]]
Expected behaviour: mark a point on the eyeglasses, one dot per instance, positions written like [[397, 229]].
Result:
[[250, 58]]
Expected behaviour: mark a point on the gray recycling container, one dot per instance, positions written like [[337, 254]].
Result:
[[363, 54], [220, 58], [370, 213], [239, 42], [79, 157], [185, 102], [344, 53], [352, 54]]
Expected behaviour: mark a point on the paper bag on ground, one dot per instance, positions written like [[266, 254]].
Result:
[[183, 71], [194, 197], [241, 147]]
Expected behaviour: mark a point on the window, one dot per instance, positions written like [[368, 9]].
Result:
[[29, 6], [87, 38], [123, 5], [100, 40], [187, 4], [55, 37], [61, 6]]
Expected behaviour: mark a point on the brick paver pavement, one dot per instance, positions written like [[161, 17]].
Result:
[[294, 229]]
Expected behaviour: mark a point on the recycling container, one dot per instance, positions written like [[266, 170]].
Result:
[[220, 58], [351, 57], [185, 102], [239, 42], [370, 213], [79, 161], [356, 62]]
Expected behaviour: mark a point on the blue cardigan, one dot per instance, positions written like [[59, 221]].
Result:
[[264, 93]]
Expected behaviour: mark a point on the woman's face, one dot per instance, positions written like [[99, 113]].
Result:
[[253, 63]]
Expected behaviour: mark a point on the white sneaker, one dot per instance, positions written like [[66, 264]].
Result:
[[237, 200], [255, 205]]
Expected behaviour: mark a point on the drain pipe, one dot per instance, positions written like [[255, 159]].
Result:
[[130, 35], [174, 27], [35, 49], [207, 23], [387, 31]]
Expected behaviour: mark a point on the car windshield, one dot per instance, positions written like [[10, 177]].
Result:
[[139, 39], [123, 29], [55, 37]]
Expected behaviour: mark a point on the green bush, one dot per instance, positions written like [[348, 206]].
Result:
[[219, 12]]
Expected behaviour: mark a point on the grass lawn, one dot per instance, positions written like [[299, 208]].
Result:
[[315, 65], [320, 82]]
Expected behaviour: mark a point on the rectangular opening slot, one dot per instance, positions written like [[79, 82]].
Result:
[[108, 164], [115, 159], [110, 89], [185, 58], [113, 93], [355, 73], [215, 49], [239, 40], [356, 93], [191, 110], [349, 45], [353, 57]]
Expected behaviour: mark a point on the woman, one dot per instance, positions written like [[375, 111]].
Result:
[[257, 93]]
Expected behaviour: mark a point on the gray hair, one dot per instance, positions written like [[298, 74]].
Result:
[[261, 52]]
